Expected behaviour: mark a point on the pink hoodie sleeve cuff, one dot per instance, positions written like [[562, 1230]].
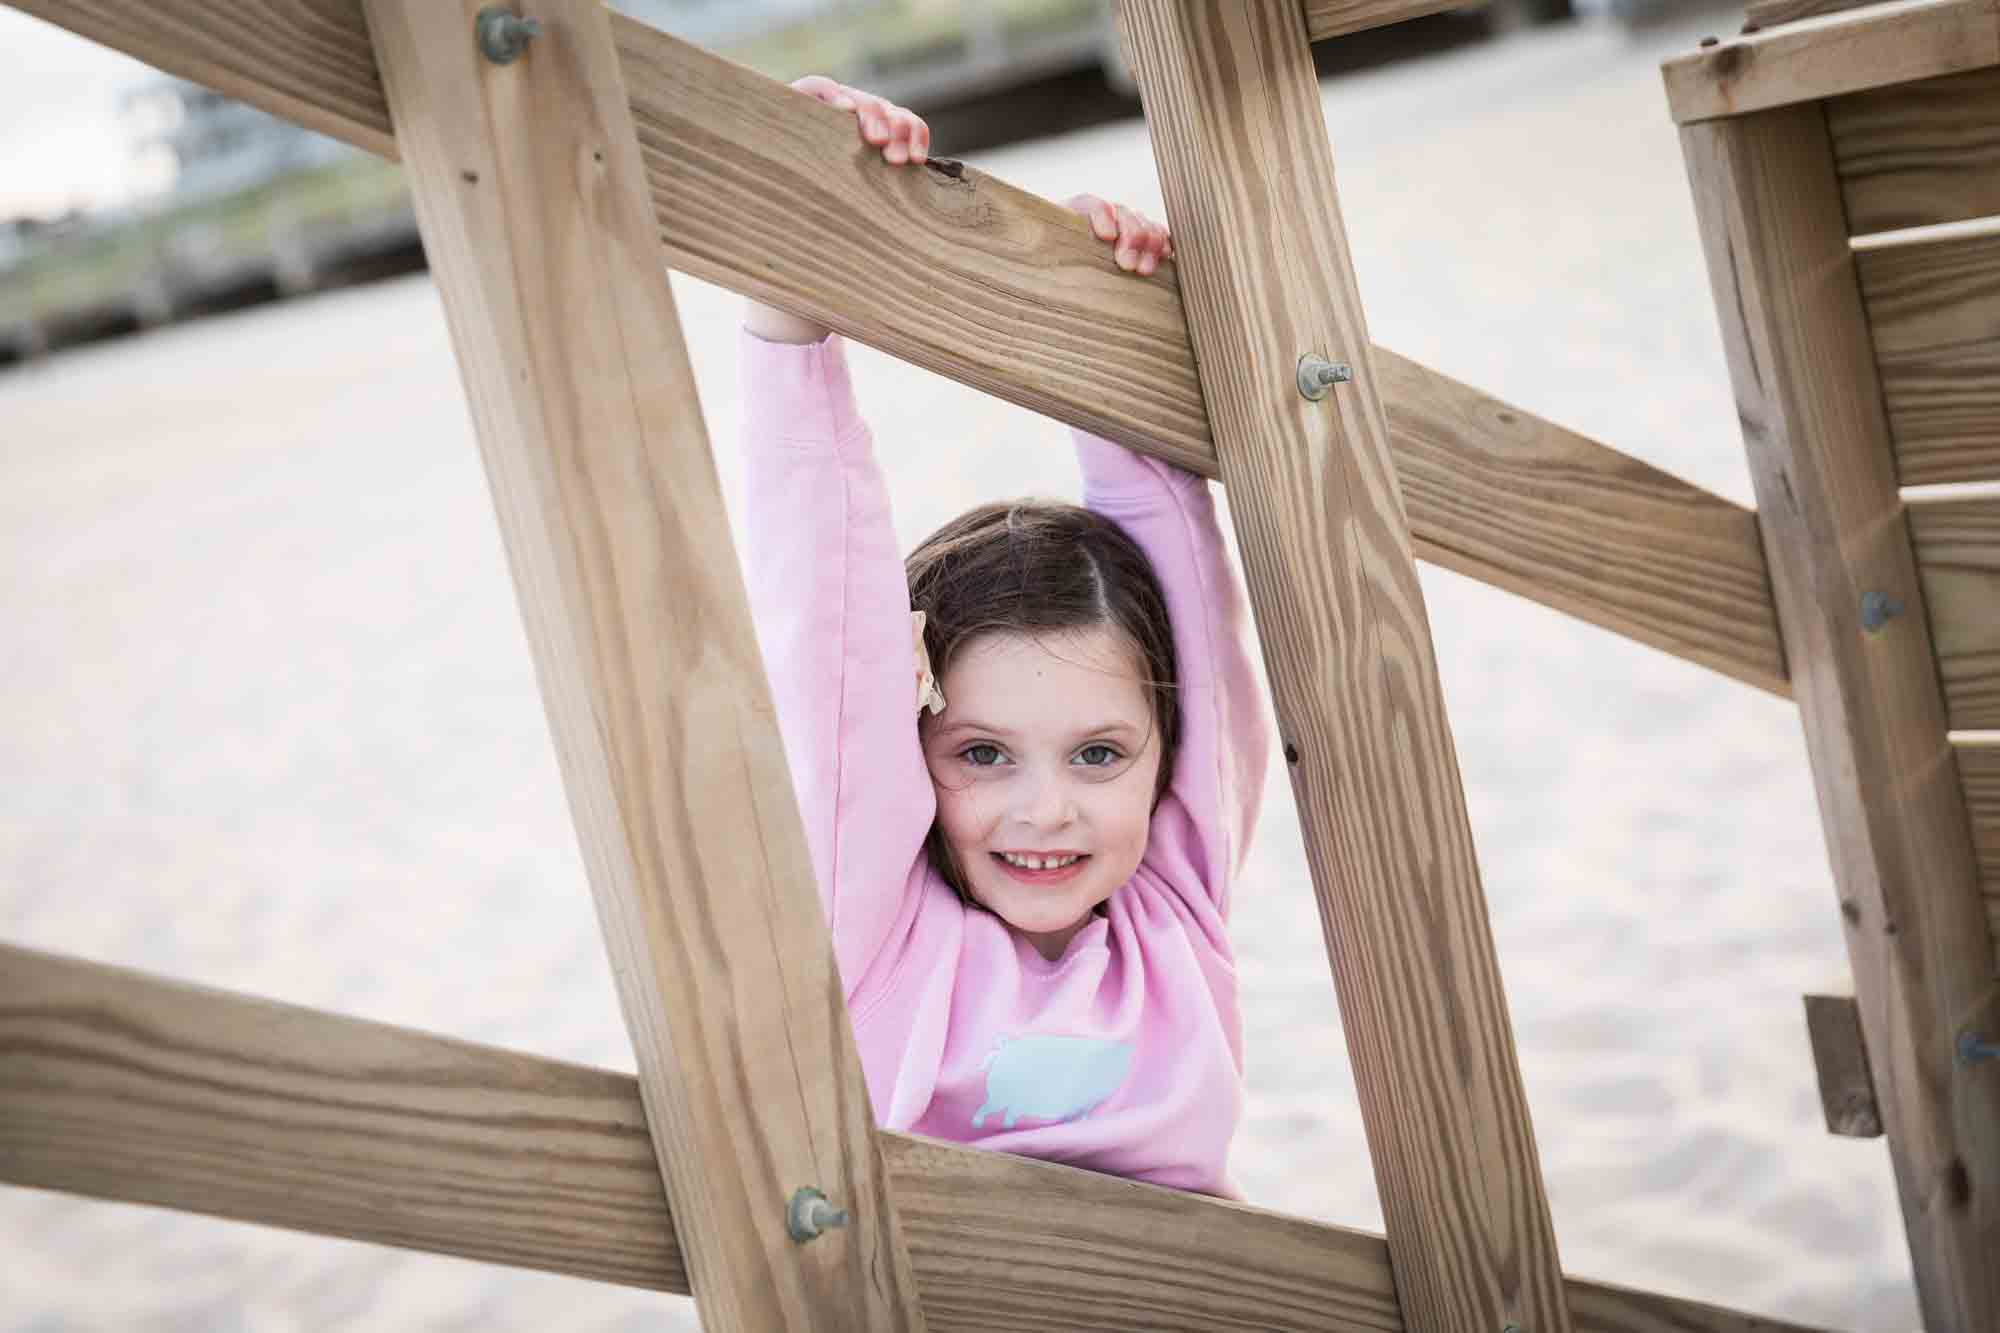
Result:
[[796, 392], [1111, 470]]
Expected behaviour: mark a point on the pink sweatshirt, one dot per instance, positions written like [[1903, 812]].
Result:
[[1123, 1056]]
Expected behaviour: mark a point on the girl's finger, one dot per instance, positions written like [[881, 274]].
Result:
[[897, 150], [920, 139], [1130, 225]]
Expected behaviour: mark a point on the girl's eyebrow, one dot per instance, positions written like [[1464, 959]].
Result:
[[974, 724]]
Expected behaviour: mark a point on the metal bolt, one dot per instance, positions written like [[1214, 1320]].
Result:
[[1971, 1050], [503, 34], [1317, 374], [809, 1213], [1878, 609]]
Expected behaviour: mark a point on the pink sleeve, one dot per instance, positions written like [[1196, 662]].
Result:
[[1202, 827], [832, 611]]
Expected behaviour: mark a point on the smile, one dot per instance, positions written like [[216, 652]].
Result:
[[1040, 869]]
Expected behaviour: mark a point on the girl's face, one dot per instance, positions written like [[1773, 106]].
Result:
[[1045, 761]]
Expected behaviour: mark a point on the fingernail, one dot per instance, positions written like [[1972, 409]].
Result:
[[843, 103], [1125, 259]]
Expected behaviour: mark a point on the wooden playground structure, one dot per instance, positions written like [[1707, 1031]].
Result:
[[558, 174]]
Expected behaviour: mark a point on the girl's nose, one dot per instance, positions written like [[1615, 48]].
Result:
[[1050, 804]]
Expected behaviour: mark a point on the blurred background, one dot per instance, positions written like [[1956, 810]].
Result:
[[268, 720]]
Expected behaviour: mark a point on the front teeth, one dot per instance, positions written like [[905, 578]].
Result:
[[1039, 862]]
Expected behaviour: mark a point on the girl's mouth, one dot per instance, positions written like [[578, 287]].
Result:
[[1037, 869]]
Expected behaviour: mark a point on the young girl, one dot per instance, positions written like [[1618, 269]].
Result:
[[1029, 761]]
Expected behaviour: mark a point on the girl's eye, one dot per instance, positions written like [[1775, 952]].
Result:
[[981, 755], [1097, 756]]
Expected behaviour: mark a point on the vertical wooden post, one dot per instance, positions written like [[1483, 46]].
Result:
[[1897, 832], [1265, 276], [532, 202]]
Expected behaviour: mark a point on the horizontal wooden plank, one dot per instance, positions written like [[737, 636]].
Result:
[[1900, 41], [1019, 300], [1958, 559], [1335, 18], [1934, 317], [128, 1087], [1919, 154], [1979, 771]]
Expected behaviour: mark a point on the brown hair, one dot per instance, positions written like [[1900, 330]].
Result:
[[1034, 567]]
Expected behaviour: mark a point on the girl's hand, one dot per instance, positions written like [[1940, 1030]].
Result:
[[901, 135], [1137, 244]]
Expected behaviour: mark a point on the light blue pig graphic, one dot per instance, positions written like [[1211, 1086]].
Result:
[[1051, 1078]]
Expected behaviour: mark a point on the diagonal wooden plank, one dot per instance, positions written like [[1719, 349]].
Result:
[[1020, 301], [130, 1087], [1783, 279], [530, 197], [1267, 278]]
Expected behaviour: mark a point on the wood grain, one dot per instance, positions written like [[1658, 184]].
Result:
[[1979, 770], [1522, 503], [1012, 296], [1919, 154], [530, 198], [1340, 614], [1899, 41], [1958, 559], [1934, 312], [1895, 818], [1335, 18], [133, 1088], [1840, 1058]]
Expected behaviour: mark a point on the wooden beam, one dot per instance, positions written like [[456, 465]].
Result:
[[1918, 154], [1336, 18], [1898, 834], [530, 197], [1266, 277], [1899, 41], [1020, 301], [1934, 317], [1501, 495], [1958, 561], [1840, 1058], [123, 1086]]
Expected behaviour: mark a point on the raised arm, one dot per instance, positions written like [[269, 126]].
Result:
[[1202, 827], [832, 612]]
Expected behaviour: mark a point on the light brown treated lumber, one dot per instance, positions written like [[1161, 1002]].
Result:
[[1919, 154], [530, 198], [1014, 297], [1979, 770], [1335, 18], [1500, 495], [1934, 314], [1898, 835], [134, 1088], [1266, 277], [1840, 1059], [1899, 41], [1958, 559]]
